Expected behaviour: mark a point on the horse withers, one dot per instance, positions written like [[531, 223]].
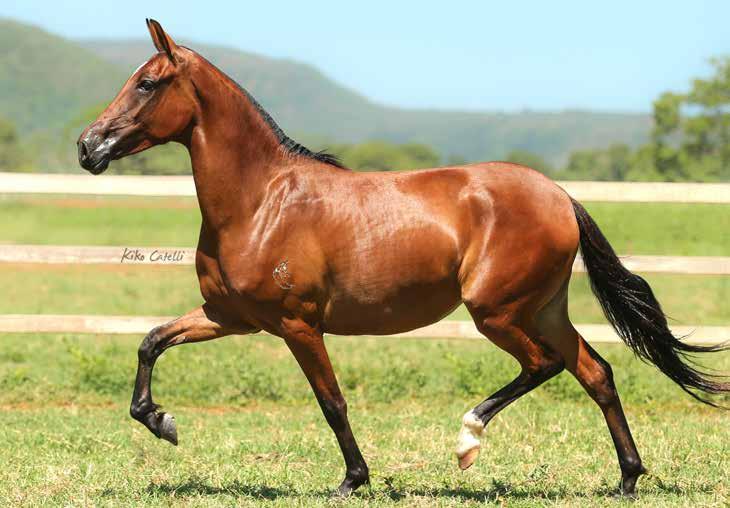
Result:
[[293, 243]]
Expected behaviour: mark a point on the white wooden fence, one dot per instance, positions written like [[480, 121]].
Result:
[[12, 183], [82, 254], [98, 324], [34, 183]]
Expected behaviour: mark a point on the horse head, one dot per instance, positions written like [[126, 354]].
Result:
[[155, 105]]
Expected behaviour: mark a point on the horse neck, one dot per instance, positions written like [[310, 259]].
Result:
[[233, 151]]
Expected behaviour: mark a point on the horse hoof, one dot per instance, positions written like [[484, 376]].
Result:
[[627, 486], [468, 442], [343, 491], [349, 485], [168, 429], [466, 460]]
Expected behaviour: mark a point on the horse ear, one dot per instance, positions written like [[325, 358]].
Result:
[[162, 41]]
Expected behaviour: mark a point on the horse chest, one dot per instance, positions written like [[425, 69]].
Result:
[[219, 280]]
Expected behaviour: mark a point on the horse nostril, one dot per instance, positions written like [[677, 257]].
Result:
[[83, 151]]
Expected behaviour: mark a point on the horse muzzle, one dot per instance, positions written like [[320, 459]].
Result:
[[94, 153]]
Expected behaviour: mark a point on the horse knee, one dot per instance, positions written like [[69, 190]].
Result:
[[148, 348]]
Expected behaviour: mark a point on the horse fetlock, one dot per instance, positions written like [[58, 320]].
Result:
[[630, 473], [631, 466], [139, 410], [353, 480], [162, 425], [469, 440], [359, 475]]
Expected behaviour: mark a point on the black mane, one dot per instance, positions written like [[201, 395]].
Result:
[[288, 143]]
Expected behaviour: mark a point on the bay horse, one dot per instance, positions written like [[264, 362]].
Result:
[[293, 243]]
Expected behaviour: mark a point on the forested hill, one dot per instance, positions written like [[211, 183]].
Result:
[[47, 81], [305, 101]]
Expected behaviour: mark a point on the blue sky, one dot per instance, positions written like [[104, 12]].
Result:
[[484, 55]]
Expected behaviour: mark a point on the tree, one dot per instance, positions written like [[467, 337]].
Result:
[[690, 140], [530, 159], [613, 163], [10, 151], [384, 156], [455, 160], [416, 155], [691, 136], [667, 121]]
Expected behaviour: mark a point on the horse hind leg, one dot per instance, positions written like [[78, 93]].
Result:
[[538, 364], [596, 376]]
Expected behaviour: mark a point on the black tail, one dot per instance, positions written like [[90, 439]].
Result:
[[630, 306]]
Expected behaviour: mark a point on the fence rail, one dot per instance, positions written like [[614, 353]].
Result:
[[61, 254], [97, 324], [37, 183], [12, 183]]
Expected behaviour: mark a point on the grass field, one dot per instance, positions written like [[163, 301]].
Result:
[[251, 433], [173, 290], [168, 290], [632, 228]]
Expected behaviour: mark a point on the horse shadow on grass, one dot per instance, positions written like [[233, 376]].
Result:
[[496, 491], [198, 487], [499, 491]]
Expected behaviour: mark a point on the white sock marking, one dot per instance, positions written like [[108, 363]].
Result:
[[471, 432]]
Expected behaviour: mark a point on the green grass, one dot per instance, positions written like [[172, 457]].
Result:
[[632, 228], [98, 289], [100, 221], [663, 228], [686, 299], [250, 432], [173, 290]]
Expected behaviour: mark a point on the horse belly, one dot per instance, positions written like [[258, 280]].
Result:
[[413, 307], [395, 288]]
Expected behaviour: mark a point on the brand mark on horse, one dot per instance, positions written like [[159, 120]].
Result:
[[281, 275]]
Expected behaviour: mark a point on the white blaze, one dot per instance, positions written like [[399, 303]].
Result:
[[140, 66], [471, 432]]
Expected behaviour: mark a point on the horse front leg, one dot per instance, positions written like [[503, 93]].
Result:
[[197, 325], [307, 345]]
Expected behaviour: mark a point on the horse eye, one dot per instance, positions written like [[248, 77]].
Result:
[[146, 85]]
